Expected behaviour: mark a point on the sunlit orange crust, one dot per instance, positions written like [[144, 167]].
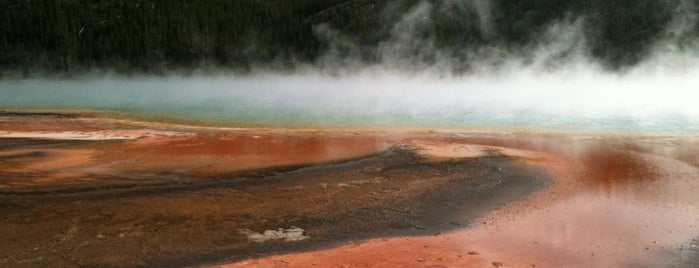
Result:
[[613, 201]]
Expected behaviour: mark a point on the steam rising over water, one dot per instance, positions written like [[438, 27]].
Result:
[[578, 98], [552, 83]]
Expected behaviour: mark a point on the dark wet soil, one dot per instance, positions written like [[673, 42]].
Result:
[[683, 256], [394, 193], [15, 114], [22, 143]]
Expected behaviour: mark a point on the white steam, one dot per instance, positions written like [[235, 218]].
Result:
[[575, 98], [554, 86]]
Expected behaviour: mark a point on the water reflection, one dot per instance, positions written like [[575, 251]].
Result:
[[630, 203], [231, 152]]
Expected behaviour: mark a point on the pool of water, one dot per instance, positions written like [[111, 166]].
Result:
[[594, 103]]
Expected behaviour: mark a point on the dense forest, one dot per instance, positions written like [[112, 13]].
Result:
[[158, 36]]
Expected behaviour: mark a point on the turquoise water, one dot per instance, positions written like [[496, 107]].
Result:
[[524, 103]]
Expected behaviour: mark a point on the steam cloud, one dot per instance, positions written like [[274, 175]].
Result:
[[552, 83]]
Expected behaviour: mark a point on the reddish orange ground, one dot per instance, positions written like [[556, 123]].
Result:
[[613, 201]]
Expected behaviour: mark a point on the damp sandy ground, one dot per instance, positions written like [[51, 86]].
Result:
[[83, 190], [57, 149], [615, 202]]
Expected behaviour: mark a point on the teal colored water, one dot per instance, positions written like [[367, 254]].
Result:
[[546, 104]]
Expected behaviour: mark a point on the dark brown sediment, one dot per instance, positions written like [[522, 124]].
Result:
[[395, 193], [188, 199], [39, 114], [90, 191], [613, 201]]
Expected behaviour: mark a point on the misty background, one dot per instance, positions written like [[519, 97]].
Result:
[[550, 65], [456, 35]]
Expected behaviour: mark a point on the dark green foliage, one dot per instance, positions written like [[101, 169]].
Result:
[[622, 31], [158, 35], [520, 21], [154, 35]]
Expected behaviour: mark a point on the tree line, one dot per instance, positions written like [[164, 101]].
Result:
[[158, 35]]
